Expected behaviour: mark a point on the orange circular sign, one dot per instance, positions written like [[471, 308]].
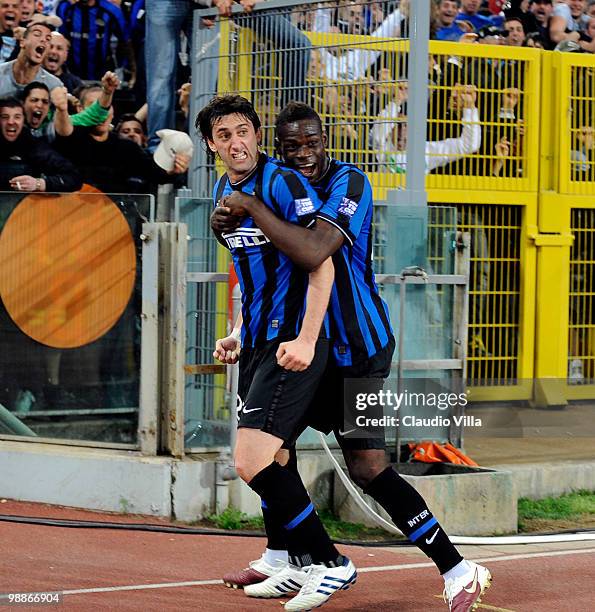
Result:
[[67, 267]]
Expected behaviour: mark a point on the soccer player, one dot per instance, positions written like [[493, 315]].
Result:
[[282, 358], [361, 337]]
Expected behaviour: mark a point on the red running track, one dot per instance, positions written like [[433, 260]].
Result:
[[41, 558]]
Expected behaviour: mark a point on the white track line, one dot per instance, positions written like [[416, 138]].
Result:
[[553, 553], [380, 568]]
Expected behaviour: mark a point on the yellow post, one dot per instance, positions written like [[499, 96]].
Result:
[[553, 239]]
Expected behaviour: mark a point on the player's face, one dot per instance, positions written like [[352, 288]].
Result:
[[236, 142], [302, 146]]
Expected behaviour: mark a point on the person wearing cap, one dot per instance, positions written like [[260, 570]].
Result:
[[27, 67]]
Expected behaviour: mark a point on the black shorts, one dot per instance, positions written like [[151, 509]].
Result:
[[273, 399], [327, 412]]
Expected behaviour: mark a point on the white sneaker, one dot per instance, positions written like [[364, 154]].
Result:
[[290, 579], [463, 594], [322, 582]]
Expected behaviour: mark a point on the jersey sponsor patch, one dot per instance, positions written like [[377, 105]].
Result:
[[347, 207], [245, 237], [304, 206]]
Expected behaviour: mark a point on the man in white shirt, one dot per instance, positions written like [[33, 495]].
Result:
[[389, 135]]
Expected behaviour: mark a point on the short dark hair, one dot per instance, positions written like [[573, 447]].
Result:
[[31, 86], [128, 117], [85, 88], [221, 106], [11, 102], [296, 111]]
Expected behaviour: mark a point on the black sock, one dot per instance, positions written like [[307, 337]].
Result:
[[411, 515], [285, 496], [276, 536]]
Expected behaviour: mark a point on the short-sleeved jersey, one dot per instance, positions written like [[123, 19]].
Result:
[[359, 320], [273, 288]]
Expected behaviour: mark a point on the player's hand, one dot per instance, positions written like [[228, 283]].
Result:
[[295, 355], [238, 203], [227, 350], [110, 82], [59, 97], [222, 221]]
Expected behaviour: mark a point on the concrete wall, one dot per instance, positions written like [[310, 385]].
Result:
[[465, 504], [126, 482]]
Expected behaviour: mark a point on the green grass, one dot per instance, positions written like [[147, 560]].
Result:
[[232, 519], [340, 530], [573, 506]]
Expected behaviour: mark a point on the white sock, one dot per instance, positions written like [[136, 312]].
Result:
[[276, 557], [458, 571]]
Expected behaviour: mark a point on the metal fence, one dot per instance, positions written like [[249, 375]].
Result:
[[581, 339]]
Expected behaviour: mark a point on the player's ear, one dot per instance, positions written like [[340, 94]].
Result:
[[277, 146], [259, 136], [324, 139], [211, 145]]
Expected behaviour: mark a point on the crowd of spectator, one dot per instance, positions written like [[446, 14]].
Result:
[[74, 68], [69, 71], [567, 25]]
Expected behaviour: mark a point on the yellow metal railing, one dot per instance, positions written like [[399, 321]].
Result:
[[515, 193], [576, 91]]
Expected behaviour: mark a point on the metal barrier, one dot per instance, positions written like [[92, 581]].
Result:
[[576, 92]]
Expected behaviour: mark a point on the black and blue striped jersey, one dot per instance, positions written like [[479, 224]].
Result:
[[359, 320], [273, 288], [90, 30]]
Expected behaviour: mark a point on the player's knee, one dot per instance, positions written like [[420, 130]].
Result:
[[364, 466]]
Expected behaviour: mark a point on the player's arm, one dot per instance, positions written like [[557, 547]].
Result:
[[227, 350], [306, 247], [297, 354]]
